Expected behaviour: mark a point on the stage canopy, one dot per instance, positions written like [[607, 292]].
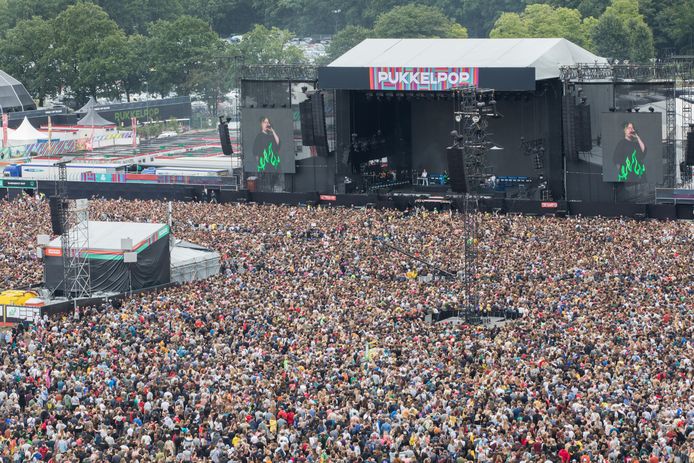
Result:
[[443, 64], [108, 271], [13, 95]]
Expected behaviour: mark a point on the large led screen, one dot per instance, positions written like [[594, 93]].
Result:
[[632, 147], [268, 140]]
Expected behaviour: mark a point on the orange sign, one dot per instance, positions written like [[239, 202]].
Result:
[[54, 252]]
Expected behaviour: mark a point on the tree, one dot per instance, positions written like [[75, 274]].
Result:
[[269, 46], [88, 45], [133, 16], [641, 37], [18, 10], [180, 52], [25, 53], [417, 21], [587, 8], [135, 71], [611, 37], [509, 25], [479, 16], [4, 17], [345, 40], [543, 20], [672, 22], [622, 33]]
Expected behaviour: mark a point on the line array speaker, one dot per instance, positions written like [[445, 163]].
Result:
[[56, 217], [456, 169], [568, 108], [306, 113], [583, 132]]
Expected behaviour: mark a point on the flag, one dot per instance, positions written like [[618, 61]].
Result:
[[133, 124], [5, 122]]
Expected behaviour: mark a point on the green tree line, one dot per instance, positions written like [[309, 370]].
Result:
[[109, 48]]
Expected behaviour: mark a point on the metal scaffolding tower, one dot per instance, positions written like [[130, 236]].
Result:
[[74, 218], [474, 106], [470, 234]]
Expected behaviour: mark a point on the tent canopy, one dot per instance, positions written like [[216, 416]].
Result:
[[92, 119], [89, 105], [544, 55], [13, 95], [26, 132], [106, 236], [190, 262]]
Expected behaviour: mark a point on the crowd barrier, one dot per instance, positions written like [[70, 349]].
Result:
[[493, 205]]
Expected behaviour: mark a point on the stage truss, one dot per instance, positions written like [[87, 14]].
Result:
[[74, 217], [474, 106], [675, 73]]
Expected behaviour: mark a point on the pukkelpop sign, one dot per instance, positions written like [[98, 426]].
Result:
[[426, 79]]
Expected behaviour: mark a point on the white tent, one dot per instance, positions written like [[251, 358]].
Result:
[[190, 262], [25, 134]]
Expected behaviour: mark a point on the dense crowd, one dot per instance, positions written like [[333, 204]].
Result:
[[312, 345]]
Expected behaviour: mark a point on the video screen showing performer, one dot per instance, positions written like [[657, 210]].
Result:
[[266, 147], [268, 143], [629, 157], [632, 147]]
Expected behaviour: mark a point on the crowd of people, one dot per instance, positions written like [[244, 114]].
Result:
[[312, 345]]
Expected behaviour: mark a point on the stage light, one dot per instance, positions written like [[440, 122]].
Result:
[[636, 109], [492, 102], [651, 109], [475, 118], [458, 117]]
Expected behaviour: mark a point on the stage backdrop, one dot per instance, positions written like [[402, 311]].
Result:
[[268, 141], [632, 147]]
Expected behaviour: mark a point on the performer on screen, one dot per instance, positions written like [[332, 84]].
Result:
[[266, 148], [629, 156]]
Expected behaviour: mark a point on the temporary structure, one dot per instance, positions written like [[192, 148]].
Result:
[[25, 134]]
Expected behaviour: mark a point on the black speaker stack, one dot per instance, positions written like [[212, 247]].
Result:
[[54, 204], [456, 169], [584, 140], [690, 149], [225, 138], [568, 108], [306, 112], [313, 129]]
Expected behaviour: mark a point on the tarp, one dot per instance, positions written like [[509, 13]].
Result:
[[108, 271], [153, 268], [92, 119]]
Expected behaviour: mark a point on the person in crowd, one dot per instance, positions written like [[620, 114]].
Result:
[[312, 346]]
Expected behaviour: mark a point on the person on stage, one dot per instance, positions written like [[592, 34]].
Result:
[[266, 147], [629, 157]]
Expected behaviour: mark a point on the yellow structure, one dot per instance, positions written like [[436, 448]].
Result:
[[16, 297]]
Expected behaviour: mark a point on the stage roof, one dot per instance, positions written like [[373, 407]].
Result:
[[106, 236], [13, 95], [498, 61]]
